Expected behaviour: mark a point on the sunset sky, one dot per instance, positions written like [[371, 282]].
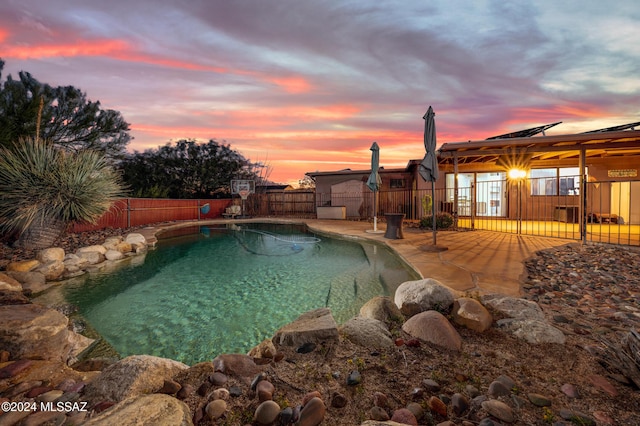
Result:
[[310, 85]]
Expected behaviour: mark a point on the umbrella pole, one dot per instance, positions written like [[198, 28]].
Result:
[[433, 210], [375, 211]]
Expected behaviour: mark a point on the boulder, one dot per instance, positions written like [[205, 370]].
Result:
[[433, 327], [314, 326], [74, 263], [92, 257], [265, 349], [124, 247], [52, 270], [50, 254], [367, 332], [532, 330], [89, 249], [9, 284], [135, 238], [383, 309], [110, 243], [34, 331], [23, 266], [236, 365], [132, 376], [471, 314], [154, 409], [514, 307], [113, 255], [35, 282], [413, 297], [525, 319]]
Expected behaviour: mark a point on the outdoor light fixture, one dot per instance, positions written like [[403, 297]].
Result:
[[517, 174]]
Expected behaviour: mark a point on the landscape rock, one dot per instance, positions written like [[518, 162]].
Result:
[[135, 238], [91, 249], [35, 282], [236, 365], [22, 265], [367, 332], [132, 376], [514, 307], [413, 297], [50, 254], [382, 308], [472, 314], [533, 331], [499, 410], [51, 270], [34, 331], [314, 326], [113, 255], [433, 327], [265, 349], [266, 413], [8, 283], [153, 409], [312, 413]]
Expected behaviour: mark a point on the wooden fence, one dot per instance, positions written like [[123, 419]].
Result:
[[129, 212]]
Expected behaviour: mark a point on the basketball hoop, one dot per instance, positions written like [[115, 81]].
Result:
[[244, 193]]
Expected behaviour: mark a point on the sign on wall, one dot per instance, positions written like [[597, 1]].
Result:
[[621, 173]]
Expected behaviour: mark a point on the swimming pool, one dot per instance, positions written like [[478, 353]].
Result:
[[211, 290]]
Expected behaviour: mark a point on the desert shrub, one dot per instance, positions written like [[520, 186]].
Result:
[[444, 220]]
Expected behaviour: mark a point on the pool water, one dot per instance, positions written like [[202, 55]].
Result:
[[211, 291]]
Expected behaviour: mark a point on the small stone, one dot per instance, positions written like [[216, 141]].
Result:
[[286, 416], [577, 417], [218, 379], [603, 418], [14, 368], [380, 400], [266, 413], [50, 396], [459, 404], [220, 393], [507, 381], [309, 396], [235, 391], [34, 392], [257, 379], [497, 389], [431, 385], [170, 387], [265, 390], [378, 414], [603, 384], [404, 416], [185, 392], [417, 393], [354, 378], [499, 409], [472, 391], [215, 409], [416, 409], [437, 406], [338, 400], [570, 390], [312, 413], [539, 400]]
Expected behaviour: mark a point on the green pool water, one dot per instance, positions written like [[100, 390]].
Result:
[[206, 291]]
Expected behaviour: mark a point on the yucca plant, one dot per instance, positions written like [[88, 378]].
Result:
[[43, 189]]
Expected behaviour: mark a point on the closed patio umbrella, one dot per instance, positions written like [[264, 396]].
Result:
[[428, 168], [374, 181]]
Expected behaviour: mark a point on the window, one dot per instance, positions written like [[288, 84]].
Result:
[[396, 183], [556, 181]]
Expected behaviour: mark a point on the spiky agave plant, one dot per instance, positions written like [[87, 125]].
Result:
[[43, 189]]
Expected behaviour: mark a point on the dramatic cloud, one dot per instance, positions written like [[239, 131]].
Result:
[[307, 86]]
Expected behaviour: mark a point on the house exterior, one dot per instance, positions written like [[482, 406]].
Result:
[[575, 178]]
